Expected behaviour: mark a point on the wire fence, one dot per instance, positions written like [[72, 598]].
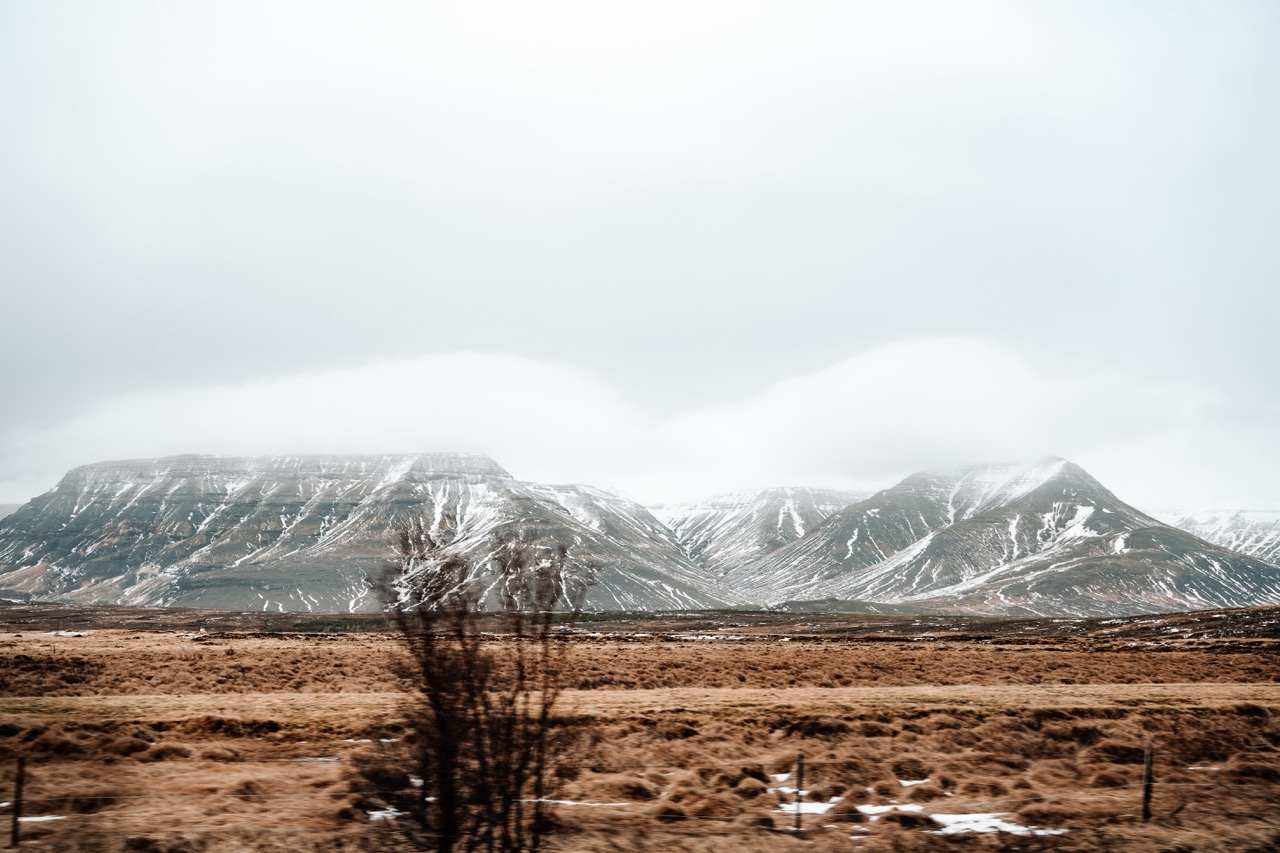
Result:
[[1216, 798]]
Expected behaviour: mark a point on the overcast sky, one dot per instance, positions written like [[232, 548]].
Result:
[[665, 248]]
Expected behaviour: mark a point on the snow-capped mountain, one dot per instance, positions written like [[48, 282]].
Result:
[[307, 533], [302, 533], [1252, 532], [733, 529], [1041, 539]]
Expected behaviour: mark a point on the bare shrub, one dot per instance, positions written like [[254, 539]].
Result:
[[486, 743]]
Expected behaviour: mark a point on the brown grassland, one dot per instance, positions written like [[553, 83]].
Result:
[[144, 733]]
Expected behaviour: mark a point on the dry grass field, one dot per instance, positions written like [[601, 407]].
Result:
[[142, 732]]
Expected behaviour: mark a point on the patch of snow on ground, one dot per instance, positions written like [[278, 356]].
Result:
[[708, 637], [954, 824], [385, 814], [907, 783], [808, 808], [781, 777], [879, 810], [41, 818]]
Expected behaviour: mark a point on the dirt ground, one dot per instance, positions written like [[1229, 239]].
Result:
[[688, 732]]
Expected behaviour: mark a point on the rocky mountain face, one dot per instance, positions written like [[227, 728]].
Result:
[[306, 533], [733, 529], [9, 509], [1252, 532], [1041, 539]]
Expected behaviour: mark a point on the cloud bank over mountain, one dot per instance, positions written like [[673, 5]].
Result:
[[861, 423]]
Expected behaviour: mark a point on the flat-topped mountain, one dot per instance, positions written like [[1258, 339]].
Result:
[[302, 533]]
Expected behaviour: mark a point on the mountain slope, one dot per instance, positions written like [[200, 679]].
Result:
[[1252, 532], [867, 533], [302, 533], [1042, 539], [730, 530]]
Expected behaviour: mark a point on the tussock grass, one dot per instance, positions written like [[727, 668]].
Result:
[[186, 762]]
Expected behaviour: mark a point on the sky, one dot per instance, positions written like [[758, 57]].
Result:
[[667, 248]]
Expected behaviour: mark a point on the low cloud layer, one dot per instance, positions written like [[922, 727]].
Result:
[[861, 423]]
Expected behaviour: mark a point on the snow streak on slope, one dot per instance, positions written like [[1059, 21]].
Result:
[[1252, 532], [870, 532], [732, 529]]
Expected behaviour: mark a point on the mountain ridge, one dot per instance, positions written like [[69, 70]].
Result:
[[307, 532], [1039, 539], [303, 532]]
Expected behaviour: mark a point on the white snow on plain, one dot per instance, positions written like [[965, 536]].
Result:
[[954, 824], [807, 808]]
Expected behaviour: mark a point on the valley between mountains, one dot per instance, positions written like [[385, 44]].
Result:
[[307, 534]]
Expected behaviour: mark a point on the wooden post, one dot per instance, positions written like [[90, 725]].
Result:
[[1146, 784], [799, 787], [14, 838]]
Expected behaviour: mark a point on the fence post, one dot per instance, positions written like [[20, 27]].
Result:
[[799, 787], [1146, 784], [14, 838]]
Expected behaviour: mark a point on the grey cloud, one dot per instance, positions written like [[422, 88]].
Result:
[[692, 201]]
